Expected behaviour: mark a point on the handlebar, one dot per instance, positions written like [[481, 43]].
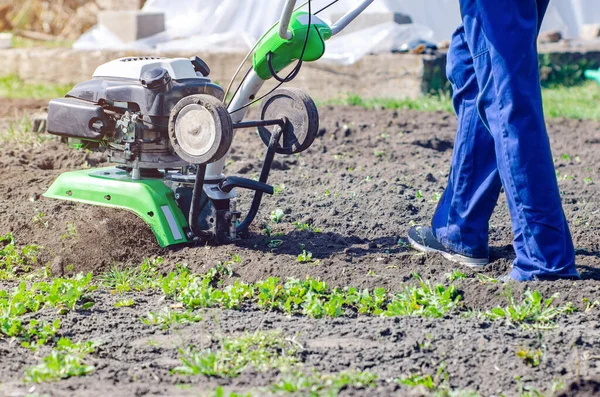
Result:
[[286, 16], [288, 10], [349, 17]]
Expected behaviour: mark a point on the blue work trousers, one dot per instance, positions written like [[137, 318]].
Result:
[[502, 141]]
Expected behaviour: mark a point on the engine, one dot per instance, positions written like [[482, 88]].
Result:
[[128, 108]]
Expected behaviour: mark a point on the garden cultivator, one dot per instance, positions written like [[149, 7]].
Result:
[[167, 127]]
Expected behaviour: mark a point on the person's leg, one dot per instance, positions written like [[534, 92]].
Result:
[[462, 217], [502, 38]]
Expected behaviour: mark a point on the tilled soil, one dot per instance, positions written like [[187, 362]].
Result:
[[368, 177]]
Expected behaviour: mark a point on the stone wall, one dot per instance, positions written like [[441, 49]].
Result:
[[386, 75]]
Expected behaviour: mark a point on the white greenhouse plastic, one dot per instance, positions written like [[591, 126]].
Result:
[[235, 25]]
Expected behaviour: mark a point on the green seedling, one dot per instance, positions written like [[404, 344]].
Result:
[[364, 302], [261, 351], [16, 261], [436, 197], [589, 305], [588, 180], [57, 366], [35, 334], [456, 275], [305, 257], [40, 219], [71, 231], [278, 189], [305, 227], [274, 243], [534, 312], [66, 345], [438, 385], [168, 318], [125, 303], [418, 380], [532, 358], [419, 194], [424, 300], [485, 279], [220, 392], [277, 216], [323, 385]]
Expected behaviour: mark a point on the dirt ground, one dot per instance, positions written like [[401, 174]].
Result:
[[369, 176]]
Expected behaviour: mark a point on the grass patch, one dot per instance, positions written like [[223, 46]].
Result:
[[121, 280], [262, 351], [575, 102], [429, 103], [534, 312], [12, 87]]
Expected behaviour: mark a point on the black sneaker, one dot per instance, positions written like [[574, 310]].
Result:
[[422, 239]]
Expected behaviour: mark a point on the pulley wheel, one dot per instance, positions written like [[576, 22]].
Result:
[[301, 115], [200, 129]]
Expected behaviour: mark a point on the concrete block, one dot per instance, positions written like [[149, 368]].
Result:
[[132, 25], [371, 19], [119, 4]]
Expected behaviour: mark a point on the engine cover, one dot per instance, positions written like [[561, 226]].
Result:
[[128, 103]]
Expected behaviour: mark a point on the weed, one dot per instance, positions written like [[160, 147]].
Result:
[[66, 345], [485, 279], [364, 302], [436, 197], [125, 303], [261, 350], [588, 180], [303, 227], [418, 380], [305, 257], [15, 261], [589, 305], [71, 231], [277, 189], [276, 243], [456, 275], [220, 392], [324, 385], [56, 366], [438, 385], [121, 280], [168, 318], [533, 313], [424, 300], [40, 219], [532, 358], [277, 216], [419, 194]]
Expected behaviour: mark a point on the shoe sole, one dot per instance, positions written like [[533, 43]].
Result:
[[473, 263]]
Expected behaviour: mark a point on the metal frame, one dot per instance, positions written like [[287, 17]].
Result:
[[253, 83]]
